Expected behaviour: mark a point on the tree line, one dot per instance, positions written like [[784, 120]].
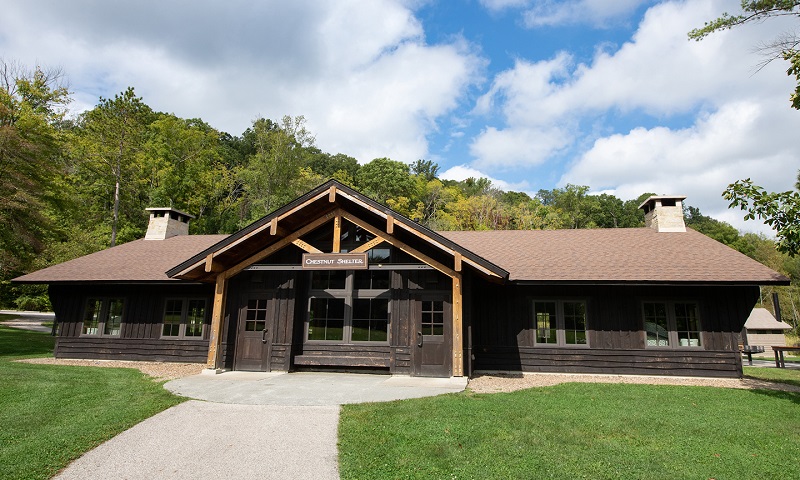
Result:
[[73, 186]]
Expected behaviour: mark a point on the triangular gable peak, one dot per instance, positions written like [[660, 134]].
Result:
[[331, 204]]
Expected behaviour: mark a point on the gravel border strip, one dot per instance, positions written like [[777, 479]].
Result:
[[157, 370], [482, 383], [510, 382]]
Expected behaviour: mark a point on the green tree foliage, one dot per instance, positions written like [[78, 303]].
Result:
[[110, 138], [384, 179], [779, 210], [720, 231], [277, 171], [32, 107], [784, 46]]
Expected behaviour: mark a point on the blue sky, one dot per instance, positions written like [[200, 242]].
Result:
[[531, 94]]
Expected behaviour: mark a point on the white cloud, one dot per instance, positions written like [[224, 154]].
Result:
[[593, 12], [731, 122], [360, 72], [463, 172]]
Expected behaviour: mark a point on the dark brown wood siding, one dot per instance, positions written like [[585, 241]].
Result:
[[140, 334], [503, 339]]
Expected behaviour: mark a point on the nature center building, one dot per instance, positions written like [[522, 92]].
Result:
[[334, 280]]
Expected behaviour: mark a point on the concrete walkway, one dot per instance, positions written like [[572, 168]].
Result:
[[198, 440], [309, 388], [253, 425]]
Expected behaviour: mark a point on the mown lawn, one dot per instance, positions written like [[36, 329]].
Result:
[[790, 376], [576, 431], [50, 415]]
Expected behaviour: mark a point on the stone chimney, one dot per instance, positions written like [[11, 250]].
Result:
[[664, 213], [167, 222]]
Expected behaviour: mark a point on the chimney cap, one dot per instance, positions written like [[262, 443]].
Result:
[[169, 209], [652, 199]]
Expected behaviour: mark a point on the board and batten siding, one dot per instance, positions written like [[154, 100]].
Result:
[[503, 338], [140, 333]]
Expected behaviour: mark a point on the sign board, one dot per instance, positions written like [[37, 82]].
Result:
[[335, 261]]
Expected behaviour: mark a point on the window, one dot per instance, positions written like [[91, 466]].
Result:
[[103, 317], [184, 317], [559, 322], [671, 324], [347, 306]]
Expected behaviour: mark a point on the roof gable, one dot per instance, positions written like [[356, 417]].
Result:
[[314, 209]]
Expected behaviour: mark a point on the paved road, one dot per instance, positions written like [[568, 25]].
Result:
[[29, 320]]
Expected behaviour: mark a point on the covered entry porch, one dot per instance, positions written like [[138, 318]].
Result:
[[335, 280]]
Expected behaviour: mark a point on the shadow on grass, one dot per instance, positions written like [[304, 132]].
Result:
[[15, 342]]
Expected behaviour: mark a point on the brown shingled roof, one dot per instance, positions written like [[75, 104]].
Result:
[[137, 261], [614, 255]]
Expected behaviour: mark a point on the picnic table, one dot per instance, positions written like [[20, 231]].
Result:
[[779, 354]]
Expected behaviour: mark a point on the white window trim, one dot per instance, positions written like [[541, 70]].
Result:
[[102, 318], [672, 327], [184, 319], [561, 337]]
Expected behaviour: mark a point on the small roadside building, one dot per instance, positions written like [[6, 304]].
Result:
[[335, 280], [764, 330]]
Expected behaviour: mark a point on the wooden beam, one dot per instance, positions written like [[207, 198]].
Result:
[[337, 234], [209, 262], [458, 342], [390, 224], [401, 245], [332, 194], [216, 321], [457, 261], [306, 246], [279, 244], [273, 226], [371, 244]]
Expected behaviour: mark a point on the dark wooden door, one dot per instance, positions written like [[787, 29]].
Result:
[[433, 330], [254, 334]]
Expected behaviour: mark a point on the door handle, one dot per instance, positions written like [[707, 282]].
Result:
[[419, 338], [264, 336]]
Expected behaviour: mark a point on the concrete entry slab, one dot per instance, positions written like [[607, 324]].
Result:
[[309, 388]]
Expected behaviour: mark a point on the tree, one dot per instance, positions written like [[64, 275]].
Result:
[[383, 178], [779, 210], [785, 45], [32, 109], [109, 139], [278, 170], [711, 227]]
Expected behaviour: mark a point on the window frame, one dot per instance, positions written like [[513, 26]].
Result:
[[102, 316], [349, 294], [184, 319], [673, 340], [561, 337]]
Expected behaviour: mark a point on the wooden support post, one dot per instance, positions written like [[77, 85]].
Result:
[[457, 262], [458, 341], [332, 194], [273, 226], [389, 224], [337, 234], [209, 262], [371, 244], [215, 337]]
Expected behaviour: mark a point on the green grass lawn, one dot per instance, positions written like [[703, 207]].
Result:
[[576, 431], [50, 415], [782, 375]]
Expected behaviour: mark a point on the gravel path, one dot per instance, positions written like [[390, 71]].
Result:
[[157, 370], [489, 383], [511, 382]]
